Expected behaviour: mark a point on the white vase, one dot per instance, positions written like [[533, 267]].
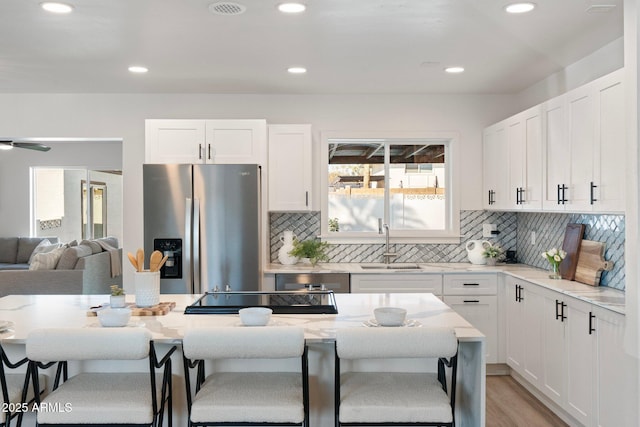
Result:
[[287, 246]]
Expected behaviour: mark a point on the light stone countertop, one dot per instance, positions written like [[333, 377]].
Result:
[[603, 296], [29, 312]]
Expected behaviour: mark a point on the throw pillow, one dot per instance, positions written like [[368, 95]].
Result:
[[42, 247], [46, 260]]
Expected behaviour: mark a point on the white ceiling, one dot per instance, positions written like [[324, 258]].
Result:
[[348, 46]]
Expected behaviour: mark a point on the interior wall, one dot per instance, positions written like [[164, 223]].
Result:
[[123, 115]]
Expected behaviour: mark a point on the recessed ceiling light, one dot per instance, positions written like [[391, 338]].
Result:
[[454, 70], [291, 7], [520, 7], [54, 7], [297, 70], [138, 69]]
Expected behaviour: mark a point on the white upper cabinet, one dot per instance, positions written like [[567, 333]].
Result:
[[567, 154], [174, 141], [236, 141], [495, 164], [205, 141], [524, 144], [290, 168]]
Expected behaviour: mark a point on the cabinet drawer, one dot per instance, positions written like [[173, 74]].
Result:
[[398, 283], [470, 284]]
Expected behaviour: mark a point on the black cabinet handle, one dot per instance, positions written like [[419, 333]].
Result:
[[591, 319], [519, 293], [200, 151], [471, 300], [471, 284], [558, 193], [209, 151], [521, 196], [591, 197], [564, 196], [491, 199], [560, 305]]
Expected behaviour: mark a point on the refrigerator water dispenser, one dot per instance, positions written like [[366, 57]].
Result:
[[172, 248]]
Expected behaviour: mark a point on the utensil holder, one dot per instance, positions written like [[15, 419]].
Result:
[[147, 285]]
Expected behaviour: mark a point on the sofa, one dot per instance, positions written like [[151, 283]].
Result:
[[87, 267]]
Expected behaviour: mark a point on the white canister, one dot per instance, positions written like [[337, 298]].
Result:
[[147, 285], [287, 246], [475, 248]]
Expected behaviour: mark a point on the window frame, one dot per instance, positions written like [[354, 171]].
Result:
[[451, 233]]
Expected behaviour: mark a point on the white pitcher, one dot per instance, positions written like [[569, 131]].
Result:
[[287, 246], [475, 248]]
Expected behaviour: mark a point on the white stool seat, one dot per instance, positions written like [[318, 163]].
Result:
[[250, 397], [393, 397], [110, 398]]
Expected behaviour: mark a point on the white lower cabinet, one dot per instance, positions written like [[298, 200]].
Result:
[[524, 329], [398, 283], [572, 351], [474, 297]]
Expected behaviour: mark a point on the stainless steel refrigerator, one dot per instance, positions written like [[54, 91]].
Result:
[[206, 219]]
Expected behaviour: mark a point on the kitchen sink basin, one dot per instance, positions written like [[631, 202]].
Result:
[[390, 267]]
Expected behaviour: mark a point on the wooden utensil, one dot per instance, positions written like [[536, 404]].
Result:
[[162, 262], [571, 245], [154, 260], [591, 263], [140, 259], [133, 261]]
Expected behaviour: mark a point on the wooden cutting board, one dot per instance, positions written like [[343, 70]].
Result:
[[571, 245], [157, 310], [591, 263]]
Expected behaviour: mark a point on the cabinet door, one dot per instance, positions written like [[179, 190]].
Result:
[[480, 311], [617, 373], [553, 348], [580, 360], [609, 167], [398, 283], [581, 137], [236, 141], [532, 359], [174, 141], [516, 148], [514, 325], [531, 197], [290, 167], [495, 161], [555, 153]]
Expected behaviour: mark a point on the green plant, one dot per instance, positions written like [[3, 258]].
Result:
[[493, 251], [313, 249], [116, 290], [334, 226]]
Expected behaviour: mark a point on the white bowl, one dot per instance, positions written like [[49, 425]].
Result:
[[255, 316], [111, 317], [390, 316]]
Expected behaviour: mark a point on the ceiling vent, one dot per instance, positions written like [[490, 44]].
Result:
[[601, 8], [227, 8]]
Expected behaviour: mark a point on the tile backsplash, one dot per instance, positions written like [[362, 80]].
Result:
[[514, 234]]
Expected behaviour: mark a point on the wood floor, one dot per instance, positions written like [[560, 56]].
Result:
[[510, 405]]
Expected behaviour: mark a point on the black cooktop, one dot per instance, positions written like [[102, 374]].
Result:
[[281, 302]]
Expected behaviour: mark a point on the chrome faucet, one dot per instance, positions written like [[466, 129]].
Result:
[[387, 253]]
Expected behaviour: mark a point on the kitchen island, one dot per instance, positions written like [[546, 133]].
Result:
[[29, 312]]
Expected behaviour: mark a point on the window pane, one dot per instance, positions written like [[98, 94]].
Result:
[[356, 186], [417, 187]]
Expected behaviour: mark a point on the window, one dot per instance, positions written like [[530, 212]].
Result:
[[406, 182]]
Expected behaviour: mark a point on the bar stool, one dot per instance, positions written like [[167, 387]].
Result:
[[100, 399], [253, 396], [16, 393], [395, 398]]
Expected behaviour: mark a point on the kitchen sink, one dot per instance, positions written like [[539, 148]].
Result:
[[390, 267]]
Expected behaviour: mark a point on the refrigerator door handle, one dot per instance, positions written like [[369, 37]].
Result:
[[187, 248], [196, 287]]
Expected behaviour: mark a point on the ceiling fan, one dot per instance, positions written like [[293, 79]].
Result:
[[8, 144]]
